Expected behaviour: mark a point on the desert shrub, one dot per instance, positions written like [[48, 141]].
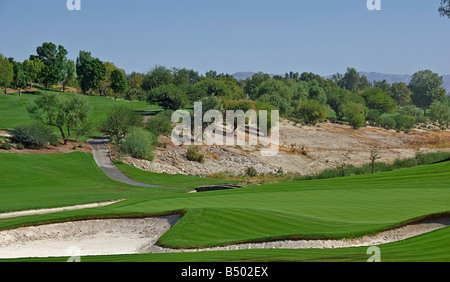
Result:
[[404, 122], [347, 170], [33, 136], [373, 116], [251, 172], [430, 158], [160, 124], [5, 146], [119, 121], [20, 146], [440, 112], [412, 110], [387, 122], [310, 112], [138, 144], [355, 113], [404, 163], [194, 155]]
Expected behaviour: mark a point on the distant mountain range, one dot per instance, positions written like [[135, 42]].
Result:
[[371, 76]]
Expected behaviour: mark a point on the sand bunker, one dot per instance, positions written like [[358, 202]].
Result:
[[138, 236], [83, 238], [45, 211]]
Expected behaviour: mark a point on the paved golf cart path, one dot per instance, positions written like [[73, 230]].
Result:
[[102, 156]]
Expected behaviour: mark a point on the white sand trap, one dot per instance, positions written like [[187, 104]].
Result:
[[138, 236], [83, 238], [46, 211]]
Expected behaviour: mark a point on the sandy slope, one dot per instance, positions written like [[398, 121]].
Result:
[[45, 211]]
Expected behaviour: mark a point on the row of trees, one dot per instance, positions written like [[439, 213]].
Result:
[[307, 97], [52, 67]]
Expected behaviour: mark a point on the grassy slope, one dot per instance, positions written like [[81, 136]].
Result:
[[13, 109], [47, 181], [332, 208]]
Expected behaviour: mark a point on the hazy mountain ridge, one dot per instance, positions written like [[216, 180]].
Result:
[[371, 76]]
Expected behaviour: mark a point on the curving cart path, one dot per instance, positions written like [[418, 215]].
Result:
[[102, 156]]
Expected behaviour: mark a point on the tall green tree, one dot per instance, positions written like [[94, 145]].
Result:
[[33, 68], [118, 83], [355, 113], [68, 73], [376, 99], [350, 80], [90, 71], [444, 9], [156, 77], [384, 85], [6, 72], [440, 111], [53, 58], [170, 97], [20, 77], [64, 114], [251, 84], [336, 97], [135, 80], [364, 83], [119, 121], [185, 76], [401, 93], [426, 88]]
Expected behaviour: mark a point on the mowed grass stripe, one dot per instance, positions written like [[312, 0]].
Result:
[[332, 208], [431, 247]]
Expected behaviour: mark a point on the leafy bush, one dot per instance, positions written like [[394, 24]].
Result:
[[33, 136], [440, 112], [251, 172], [404, 122], [387, 122], [160, 124], [138, 144], [119, 121], [170, 97], [377, 99], [194, 155], [5, 146], [373, 116], [355, 113], [420, 159], [310, 112], [413, 111]]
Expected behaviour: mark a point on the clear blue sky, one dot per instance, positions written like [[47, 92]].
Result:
[[274, 36]]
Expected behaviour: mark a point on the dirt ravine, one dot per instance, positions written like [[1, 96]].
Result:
[[139, 236], [304, 150]]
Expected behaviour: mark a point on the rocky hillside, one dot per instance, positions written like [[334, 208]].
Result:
[[303, 149]]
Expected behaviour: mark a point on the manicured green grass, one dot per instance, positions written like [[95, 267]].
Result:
[[47, 181], [432, 247], [13, 109], [329, 208]]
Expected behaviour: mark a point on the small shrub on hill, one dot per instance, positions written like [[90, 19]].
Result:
[[33, 136], [194, 155]]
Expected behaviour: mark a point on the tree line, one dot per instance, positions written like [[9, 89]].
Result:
[[306, 98]]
